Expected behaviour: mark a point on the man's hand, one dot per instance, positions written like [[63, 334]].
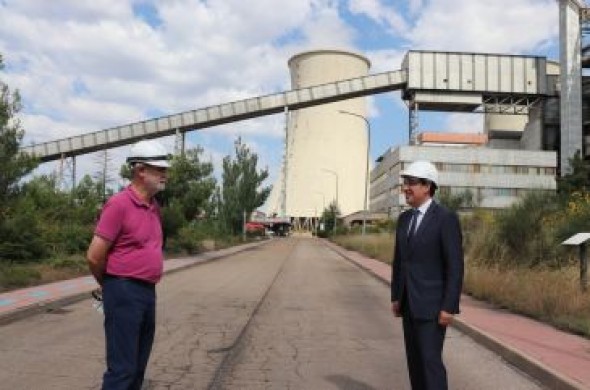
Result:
[[395, 308], [97, 257], [445, 318]]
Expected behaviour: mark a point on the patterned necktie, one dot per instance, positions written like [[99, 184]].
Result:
[[413, 224]]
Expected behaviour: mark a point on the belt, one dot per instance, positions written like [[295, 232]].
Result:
[[140, 282]]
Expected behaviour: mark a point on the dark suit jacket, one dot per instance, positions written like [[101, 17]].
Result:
[[429, 269]]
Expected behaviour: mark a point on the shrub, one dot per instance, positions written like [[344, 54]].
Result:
[[323, 233], [173, 246], [386, 225], [21, 238], [521, 228], [190, 238], [73, 238], [14, 276], [575, 217], [519, 235], [76, 263], [172, 219], [455, 201]]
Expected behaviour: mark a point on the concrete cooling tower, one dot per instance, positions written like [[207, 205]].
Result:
[[326, 150]]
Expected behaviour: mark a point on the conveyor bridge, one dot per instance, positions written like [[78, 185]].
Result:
[[430, 80]]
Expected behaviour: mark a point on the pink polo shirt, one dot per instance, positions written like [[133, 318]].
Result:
[[134, 228]]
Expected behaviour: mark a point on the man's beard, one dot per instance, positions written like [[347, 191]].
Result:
[[160, 187]]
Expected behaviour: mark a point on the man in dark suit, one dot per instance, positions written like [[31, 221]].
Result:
[[427, 275]]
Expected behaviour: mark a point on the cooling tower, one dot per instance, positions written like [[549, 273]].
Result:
[[326, 150]]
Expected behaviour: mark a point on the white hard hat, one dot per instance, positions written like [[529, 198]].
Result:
[[149, 152], [423, 170]]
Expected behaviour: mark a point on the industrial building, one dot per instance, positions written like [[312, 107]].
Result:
[[533, 115], [518, 149], [494, 178]]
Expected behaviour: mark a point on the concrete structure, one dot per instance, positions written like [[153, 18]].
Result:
[[321, 140], [494, 177], [497, 85], [500, 86], [570, 53], [360, 217], [442, 81], [180, 123], [451, 139]]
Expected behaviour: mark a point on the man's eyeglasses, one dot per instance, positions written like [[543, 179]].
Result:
[[412, 181], [154, 168]]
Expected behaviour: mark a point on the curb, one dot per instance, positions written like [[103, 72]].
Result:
[[532, 367], [546, 376], [54, 304], [42, 307], [214, 256]]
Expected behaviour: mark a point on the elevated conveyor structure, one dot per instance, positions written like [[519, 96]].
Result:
[[441, 81], [218, 115], [473, 82]]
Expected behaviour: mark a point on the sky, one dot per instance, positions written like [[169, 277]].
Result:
[[86, 66]]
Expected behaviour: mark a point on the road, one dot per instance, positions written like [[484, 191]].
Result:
[[290, 314]]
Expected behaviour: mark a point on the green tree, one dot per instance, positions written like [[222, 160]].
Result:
[[32, 225], [521, 229], [125, 172], [87, 198], [190, 183], [17, 230], [20, 233], [64, 220], [13, 164], [456, 201], [330, 217], [241, 192], [578, 179]]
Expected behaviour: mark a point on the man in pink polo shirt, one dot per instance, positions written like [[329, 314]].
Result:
[[125, 257]]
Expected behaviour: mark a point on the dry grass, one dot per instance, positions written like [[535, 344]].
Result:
[[552, 296], [29, 275], [51, 274], [378, 246], [22, 275]]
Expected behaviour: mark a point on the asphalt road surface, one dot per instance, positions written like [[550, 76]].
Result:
[[290, 314]]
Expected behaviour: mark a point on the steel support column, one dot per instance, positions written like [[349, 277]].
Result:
[[413, 123]]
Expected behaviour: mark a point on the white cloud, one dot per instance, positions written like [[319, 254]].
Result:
[[66, 10], [464, 123], [202, 54], [326, 29], [385, 60], [414, 6], [500, 26], [86, 66], [268, 126], [372, 108], [383, 14]]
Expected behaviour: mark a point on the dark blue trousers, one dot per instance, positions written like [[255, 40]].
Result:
[[129, 325], [424, 341]]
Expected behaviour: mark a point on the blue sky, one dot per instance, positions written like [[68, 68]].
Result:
[[82, 66]]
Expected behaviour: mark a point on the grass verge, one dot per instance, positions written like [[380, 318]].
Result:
[[549, 295], [20, 275]]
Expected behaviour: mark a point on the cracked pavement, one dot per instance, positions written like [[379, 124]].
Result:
[[291, 314]]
